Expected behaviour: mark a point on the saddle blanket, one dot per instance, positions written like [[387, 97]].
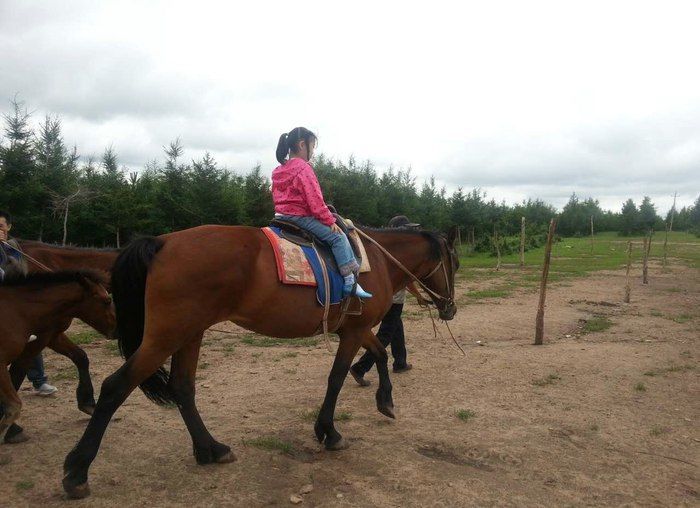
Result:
[[300, 265]]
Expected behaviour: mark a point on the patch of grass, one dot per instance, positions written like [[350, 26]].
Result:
[[682, 318], [270, 444], [548, 380], [290, 354], [24, 485], [65, 374], [596, 324], [674, 290], [640, 387], [312, 414], [594, 427], [465, 414], [685, 354], [290, 371], [261, 341], [203, 366], [84, 337], [671, 368], [656, 313], [488, 293], [657, 430], [229, 349], [113, 347]]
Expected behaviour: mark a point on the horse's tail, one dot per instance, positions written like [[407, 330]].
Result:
[[129, 293]]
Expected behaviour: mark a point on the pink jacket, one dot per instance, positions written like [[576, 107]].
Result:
[[295, 191]]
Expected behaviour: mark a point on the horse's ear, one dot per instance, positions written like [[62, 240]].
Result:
[[452, 236]]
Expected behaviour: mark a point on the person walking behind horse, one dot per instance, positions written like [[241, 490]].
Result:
[[391, 329], [298, 199], [12, 263]]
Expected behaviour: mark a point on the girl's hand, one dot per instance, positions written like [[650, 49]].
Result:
[[336, 229]]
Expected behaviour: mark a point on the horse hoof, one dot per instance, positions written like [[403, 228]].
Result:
[[387, 411], [88, 410], [341, 444], [320, 433], [226, 458], [20, 437], [76, 492]]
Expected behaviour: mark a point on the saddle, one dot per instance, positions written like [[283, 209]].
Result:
[[304, 238], [324, 266]]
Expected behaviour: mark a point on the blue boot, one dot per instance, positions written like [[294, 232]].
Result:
[[359, 292]]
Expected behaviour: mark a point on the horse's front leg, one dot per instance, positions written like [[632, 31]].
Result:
[[84, 393], [385, 402], [15, 434], [350, 342]]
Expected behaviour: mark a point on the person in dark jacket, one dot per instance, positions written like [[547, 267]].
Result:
[[391, 329]]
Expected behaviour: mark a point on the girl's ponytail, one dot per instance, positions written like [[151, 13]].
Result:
[[282, 148]]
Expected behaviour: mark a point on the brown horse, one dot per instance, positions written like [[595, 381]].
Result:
[[56, 257], [169, 290], [44, 305]]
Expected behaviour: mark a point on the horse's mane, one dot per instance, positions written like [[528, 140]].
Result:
[[435, 238], [36, 243], [46, 279]]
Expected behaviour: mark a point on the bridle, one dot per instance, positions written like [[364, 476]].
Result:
[[449, 300]]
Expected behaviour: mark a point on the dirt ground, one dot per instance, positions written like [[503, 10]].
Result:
[[599, 418]]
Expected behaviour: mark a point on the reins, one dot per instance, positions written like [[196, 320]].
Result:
[[420, 283], [27, 256]]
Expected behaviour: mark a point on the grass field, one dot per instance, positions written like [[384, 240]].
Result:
[[573, 257]]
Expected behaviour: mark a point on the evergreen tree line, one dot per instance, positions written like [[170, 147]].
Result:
[[57, 196]]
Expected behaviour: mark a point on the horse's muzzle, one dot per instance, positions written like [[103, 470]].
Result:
[[448, 313]]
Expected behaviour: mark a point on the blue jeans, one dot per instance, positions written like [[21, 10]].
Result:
[[338, 242], [36, 372]]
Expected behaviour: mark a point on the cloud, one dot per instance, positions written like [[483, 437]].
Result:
[[535, 100]]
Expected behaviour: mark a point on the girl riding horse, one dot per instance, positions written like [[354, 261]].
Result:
[[298, 199]]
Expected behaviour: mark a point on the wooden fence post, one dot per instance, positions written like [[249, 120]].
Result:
[[665, 245], [591, 235], [539, 322], [645, 265], [628, 287], [522, 242], [498, 248]]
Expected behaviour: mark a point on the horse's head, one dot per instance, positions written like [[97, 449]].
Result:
[[441, 280], [96, 306]]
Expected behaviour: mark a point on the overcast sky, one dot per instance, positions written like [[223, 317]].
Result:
[[522, 99]]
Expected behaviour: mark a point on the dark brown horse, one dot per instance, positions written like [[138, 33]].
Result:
[[57, 258], [169, 290], [44, 305]]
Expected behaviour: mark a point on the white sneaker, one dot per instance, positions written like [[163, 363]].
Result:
[[45, 389]]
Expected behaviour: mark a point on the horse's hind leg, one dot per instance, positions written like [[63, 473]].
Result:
[[85, 392], [182, 384], [324, 428], [10, 400], [115, 389]]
